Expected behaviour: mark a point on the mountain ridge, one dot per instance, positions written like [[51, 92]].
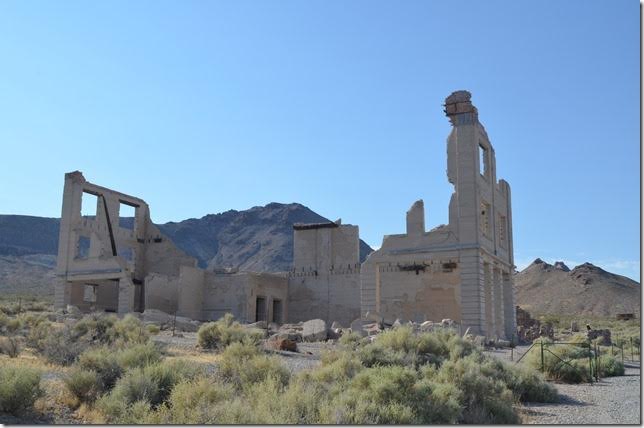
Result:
[[586, 289], [257, 239]]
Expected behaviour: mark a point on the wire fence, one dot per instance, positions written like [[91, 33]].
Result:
[[548, 350]]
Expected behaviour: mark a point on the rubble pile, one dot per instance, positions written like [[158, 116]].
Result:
[[529, 329]]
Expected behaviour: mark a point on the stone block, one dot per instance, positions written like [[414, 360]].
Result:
[[314, 331]]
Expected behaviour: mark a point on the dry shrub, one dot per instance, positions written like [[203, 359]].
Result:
[[243, 364], [84, 385], [19, 389], [221, 333], [10, 346]]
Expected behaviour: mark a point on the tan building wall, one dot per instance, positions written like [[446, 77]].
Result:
[[325, 280], [477, 243]]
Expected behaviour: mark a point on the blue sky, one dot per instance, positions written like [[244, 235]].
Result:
[[203, 106]]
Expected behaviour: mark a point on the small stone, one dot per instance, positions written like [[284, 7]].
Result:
[[356, 327]]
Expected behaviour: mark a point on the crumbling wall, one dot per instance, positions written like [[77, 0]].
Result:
[[325, 280], [114, 242], [429, 294], [330, 296], [161, 292]]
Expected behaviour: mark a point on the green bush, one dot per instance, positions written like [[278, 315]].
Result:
[[139, 355], [104, 363], [221, 333], [243, 364], [153, 329], [526, 384], [485, 400], [85, 385], [376, 354], [129, 329], [151, 385], [19, 389], [350, 340], [610, 366], [394, 395], [564, 363]]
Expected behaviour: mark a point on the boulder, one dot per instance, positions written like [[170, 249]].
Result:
[[185, 324], [282, 344], [335, 325], [427, 326], [73, 310], [446, 322], [258, 324], [372, 328], [396, 323], [156, 316], [295, 336], [356, 327], [374, 316], [314, 331]]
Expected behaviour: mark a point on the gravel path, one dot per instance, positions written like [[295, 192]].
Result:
[[613, 400]]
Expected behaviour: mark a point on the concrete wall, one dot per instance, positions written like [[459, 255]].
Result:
[[328, 296], [107, 245], [237, 294], [477, 242], [325, 280], [161, 292]]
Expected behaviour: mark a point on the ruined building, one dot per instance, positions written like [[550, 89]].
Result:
[[462, 270], [108, 262]]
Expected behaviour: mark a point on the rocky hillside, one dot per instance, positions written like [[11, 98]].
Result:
[[258, 239], [542, 288]]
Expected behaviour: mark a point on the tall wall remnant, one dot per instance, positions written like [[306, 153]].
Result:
[[462, 270], [104, 257], [325, 280], [117, 262]]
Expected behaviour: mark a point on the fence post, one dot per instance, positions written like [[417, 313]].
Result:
[[542, 360], [598, 363], [632, 352], [622, 353], [590, 362]]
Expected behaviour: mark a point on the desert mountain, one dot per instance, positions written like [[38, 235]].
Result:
[[542, 288], [258, 239]]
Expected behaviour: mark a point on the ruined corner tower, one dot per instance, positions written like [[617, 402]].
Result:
[[463, 270], [481, 216]]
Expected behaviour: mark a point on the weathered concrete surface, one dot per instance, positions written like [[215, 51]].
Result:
[[463, 270], [325, 280], [314, 331]]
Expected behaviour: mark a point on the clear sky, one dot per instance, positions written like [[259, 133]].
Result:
[[203, 106]]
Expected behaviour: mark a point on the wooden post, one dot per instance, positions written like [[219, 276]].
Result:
[[542, 360], [590, 362]]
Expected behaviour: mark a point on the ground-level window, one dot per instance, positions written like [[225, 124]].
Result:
[[277, 311], [260, 309], [89, 294]]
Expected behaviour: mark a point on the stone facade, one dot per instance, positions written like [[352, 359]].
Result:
[[325, 280], [111, 262], [461, 271]]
